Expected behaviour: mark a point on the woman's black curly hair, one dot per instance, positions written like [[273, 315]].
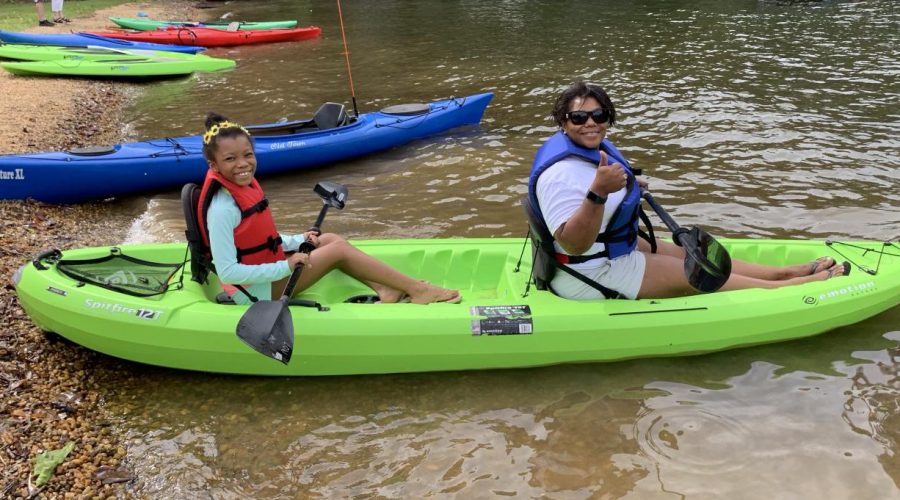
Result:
[[582, 90]]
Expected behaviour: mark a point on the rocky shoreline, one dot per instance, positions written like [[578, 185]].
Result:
[[50, 391]]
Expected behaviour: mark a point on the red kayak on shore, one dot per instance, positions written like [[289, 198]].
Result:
[[208, 37]]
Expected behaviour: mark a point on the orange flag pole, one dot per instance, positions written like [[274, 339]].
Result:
[[347, 58]]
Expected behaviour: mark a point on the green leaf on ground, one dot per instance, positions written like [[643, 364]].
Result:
[[46, 462]]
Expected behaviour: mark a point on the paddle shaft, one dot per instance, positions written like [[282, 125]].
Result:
[[703, 274], [666, 218], [305, 247]]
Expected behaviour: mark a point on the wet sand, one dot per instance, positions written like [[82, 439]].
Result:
[[49, 388]]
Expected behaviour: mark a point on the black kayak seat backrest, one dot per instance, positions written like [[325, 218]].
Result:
[[201, 256], [542, 248], [330, 115]]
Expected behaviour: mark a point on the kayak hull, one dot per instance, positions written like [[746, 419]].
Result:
[[88, 40], [209, 37], [186, 329], [164, 163], [24, 52], [105, 62], [150, 24]]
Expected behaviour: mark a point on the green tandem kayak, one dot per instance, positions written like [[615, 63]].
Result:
[[105, 62], [150, 25], [497, 325]]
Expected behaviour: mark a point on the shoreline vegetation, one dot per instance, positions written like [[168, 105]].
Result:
[[51, 391]]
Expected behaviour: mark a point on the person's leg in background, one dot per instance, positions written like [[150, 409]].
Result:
[[42, 16], [57, 6]]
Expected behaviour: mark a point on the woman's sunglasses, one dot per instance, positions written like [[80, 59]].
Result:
[[599, 115]]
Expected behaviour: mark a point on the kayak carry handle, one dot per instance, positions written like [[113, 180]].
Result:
[[51, 255]]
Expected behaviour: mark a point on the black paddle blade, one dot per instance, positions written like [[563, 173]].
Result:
[[268, 328], [709, 265]]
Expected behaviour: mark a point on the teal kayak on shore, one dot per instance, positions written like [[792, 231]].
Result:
[[150, 24], [502, 322]]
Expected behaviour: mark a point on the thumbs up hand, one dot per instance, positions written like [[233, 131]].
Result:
[[609, 178]]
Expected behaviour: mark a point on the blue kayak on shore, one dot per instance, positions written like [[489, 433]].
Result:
[[331, 136], [87, 40]]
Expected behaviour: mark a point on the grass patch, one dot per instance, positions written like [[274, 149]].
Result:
[[22, 15]]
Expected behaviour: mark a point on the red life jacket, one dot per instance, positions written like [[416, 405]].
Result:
[[256, 239]]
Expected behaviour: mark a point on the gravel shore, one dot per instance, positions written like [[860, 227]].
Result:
[[49, 389]]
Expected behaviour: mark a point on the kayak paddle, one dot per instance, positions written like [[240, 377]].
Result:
[[707, 264], [267, 325]]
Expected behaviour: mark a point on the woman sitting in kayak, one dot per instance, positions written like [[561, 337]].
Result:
[[248, 250], [588, 197]]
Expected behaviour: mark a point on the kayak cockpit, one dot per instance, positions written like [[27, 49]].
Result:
[[330, 115]]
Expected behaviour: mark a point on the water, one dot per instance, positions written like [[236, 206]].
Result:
[[754, 119]]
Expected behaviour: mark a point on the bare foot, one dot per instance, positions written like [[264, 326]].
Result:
[[386, 294], [820, 264], [809, 269], [842, 269], [427, 293]]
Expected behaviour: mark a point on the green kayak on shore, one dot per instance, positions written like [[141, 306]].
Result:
[[150, 24], [502, 322], [24, 52], [105, 62]]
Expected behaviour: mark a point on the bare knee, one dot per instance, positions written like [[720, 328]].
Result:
[[330, 238]]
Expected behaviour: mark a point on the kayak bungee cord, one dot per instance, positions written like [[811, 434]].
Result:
[[177, 150], [519, 265], [460, 102], [881, 253], [176, 145], [191, 34]]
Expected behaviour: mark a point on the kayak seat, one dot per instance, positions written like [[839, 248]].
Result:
[[331, 115], [282, 128], [541, 248], [201, 255]]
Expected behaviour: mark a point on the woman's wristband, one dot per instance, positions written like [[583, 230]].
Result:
[[595, 198]]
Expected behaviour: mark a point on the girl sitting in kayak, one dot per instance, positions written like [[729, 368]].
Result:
[[248, 250], [589, 199]]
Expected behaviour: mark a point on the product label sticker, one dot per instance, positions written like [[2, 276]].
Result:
[[501, 320]]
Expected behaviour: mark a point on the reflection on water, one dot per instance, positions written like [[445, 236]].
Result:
[[814, 418], [753, 118], [725, 441]]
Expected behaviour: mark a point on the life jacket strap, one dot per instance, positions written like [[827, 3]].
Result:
[[609, 293], [245, 292], [578, 259], [271, 245], [648, 235], [258, 207]]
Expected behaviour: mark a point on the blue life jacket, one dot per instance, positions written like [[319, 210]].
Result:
[[620, 236]]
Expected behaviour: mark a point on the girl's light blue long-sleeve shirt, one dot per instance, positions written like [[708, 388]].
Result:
[[222, 218]]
